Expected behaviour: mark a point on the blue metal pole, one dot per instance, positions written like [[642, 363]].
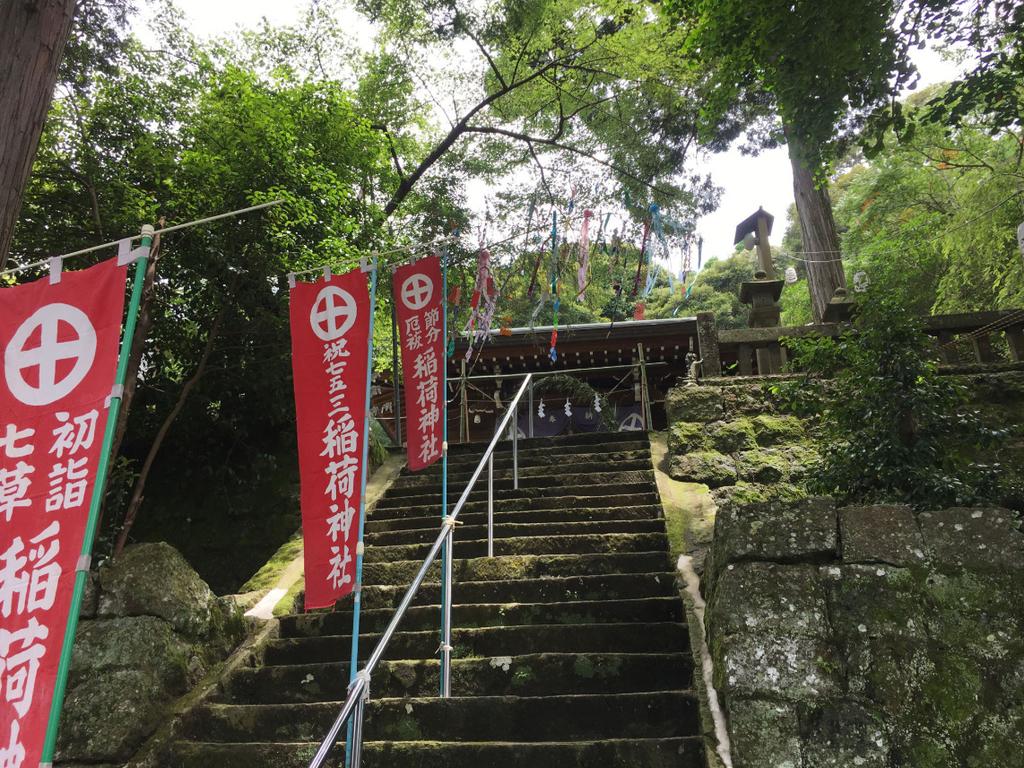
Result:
[[445, 554], [357, 592]]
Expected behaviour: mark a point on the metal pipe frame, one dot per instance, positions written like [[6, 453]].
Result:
[[360, 687]]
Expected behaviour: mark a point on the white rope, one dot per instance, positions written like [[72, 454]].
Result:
[[112, 243]]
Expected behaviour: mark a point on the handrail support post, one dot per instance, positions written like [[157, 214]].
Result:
[[515, 448], [490, 505]]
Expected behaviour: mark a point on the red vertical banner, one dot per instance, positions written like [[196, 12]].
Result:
[[417, 291], [60, 344], [330, 325]]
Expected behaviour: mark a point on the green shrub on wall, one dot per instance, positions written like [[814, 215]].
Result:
[[890, 428]]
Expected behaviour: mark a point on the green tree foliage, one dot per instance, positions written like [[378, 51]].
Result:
[[891, 429]]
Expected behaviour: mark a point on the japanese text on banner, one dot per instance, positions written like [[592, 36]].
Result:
[[417, 295], [330, 329], [59, 346]]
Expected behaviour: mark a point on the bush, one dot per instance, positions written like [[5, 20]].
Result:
[[891, 429]]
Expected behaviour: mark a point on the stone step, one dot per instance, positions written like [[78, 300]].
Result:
[[534, 674], [522, 567], [469, 519], [593, 484], [592, 494], [527, 545], [647, 609], [628, 637], [504, 529], [538, 467], [608, 587], [683, 752], [662, 714], [565, 443]]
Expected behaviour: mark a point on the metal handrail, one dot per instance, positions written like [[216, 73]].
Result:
[[359, 689]]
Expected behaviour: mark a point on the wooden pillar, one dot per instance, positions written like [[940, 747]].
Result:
[[707, 342], [768, 359], [746, 368], [983, 348], [1015, 341], [947, 354]]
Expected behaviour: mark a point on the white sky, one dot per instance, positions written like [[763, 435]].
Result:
[[747, 182]]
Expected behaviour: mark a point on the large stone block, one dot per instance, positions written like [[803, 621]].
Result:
[[155, 580], [699, 403], [763, 465], [764, 734], [707, 467], [135, 642], [843, 734], [880, 534], [769, 633], [979, 539], [775, 531], [774, 430], [733, 436], [687, 437]]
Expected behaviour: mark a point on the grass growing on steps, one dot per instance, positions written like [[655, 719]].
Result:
[[266, 577]]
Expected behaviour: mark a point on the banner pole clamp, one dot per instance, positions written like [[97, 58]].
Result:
[[84, 564], [327, 273], [56, 267], [367, 265], [291, 279], [115, 391]]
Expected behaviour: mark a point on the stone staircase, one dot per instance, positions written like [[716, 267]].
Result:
[[571, 646]]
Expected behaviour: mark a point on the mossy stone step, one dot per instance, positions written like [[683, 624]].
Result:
[[522, 567], [545, 466], [615, 514], [594, 484], [528, 545], [557, 476], [594, 488], [607, 587], [534, 674], [647, 609], [628, 637], [683, 752], [513, 718], [558, 500], [504, 529]]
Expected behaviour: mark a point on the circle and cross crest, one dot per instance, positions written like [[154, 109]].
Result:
[[54, 381], [417, 291], [333, 313]]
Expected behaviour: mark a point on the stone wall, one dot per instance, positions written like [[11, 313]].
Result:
[[868, 636], [150, 630]]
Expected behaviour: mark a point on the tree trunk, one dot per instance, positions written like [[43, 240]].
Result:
[[32, 38], [140, 484], [818, 231]]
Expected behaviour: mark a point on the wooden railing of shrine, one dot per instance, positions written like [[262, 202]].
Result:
[[975, 338]]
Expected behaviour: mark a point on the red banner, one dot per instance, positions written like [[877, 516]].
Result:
[[330, 323], [60, 344], [417, 293]]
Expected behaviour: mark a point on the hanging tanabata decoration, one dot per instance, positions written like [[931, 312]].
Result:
[[59, 339], [555, 302], [330, 326], [791, 276], [417, 295], [642, 258], [639, 311], [540, 409], [581, 275], [568, 407]]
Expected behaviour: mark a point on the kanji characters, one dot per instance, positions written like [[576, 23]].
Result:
[[341, 477], [413, 333], [339, 575], [429, 419], [340, 436], [73, 435], [426, 392], [14, 483], [428, 448], [426, 364], [20, 652], [68, 482], [13, 755], [340, 521], [432, 321], [24, 591], [336, 349], [14, 442]]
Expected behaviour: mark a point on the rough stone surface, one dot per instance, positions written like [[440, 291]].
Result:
[[763, 465], [775, 531], [707, 467], [699, 403], [745, 493], [866, 662], [687, 436], [764, 733], [733, 436], [775, 430], [160, 631], [983, 539], [880, 534], [155, 580]]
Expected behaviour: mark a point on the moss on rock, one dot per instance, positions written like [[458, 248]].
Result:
[[773, 430], [733, 436], [706, 467], [687, 437]]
